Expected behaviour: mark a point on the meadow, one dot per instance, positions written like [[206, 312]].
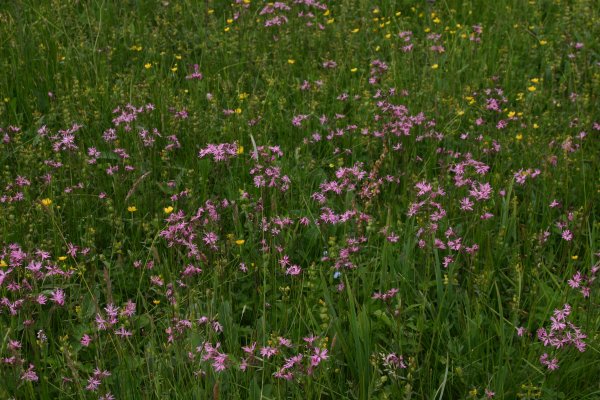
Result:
[[305, 199]]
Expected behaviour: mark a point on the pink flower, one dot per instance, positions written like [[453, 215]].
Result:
[[86, 340], [93, 384], [30, 374], [567, 235], [318, 356], [58, 296], [268, 351], [293, 270]]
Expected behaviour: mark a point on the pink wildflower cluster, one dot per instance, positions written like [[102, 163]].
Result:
[[24, 270], [191, 232], [109, 319], [584, 282], [15, 191], [126, 116], [303, 360], [220, 152], [197, 75], [5, 137], [561, 333], [264, 171], [279, 13], [386, 296], [96, 379]]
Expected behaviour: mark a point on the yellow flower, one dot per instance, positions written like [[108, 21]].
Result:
[[3, 264], [240, 242], [543, 42], [531, 88], [437, 20], [156, 302], [511, 114], [243, 96], [177, 57], [535, 126], [291, 61], [62, 258], [240, 150], [326, 13], [354, 70], [355, 30], [132, 209], [574, 258], [226, 29], [168, 210], [148, 65], [229, 21], [330, 21], [238, 110], [535, 80], [46, 202], [519, 136], [174, 69], [435, 66]]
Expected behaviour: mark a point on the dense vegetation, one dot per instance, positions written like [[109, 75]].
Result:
[[299, 199]]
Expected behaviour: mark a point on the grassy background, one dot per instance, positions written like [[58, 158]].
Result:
[[67, 62]]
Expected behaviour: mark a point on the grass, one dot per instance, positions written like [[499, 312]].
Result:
[[299, 200]]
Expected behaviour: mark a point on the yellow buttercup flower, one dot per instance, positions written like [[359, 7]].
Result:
[[168, 210], [148, 65], [240, 242], [132, 209], [46, 202]]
